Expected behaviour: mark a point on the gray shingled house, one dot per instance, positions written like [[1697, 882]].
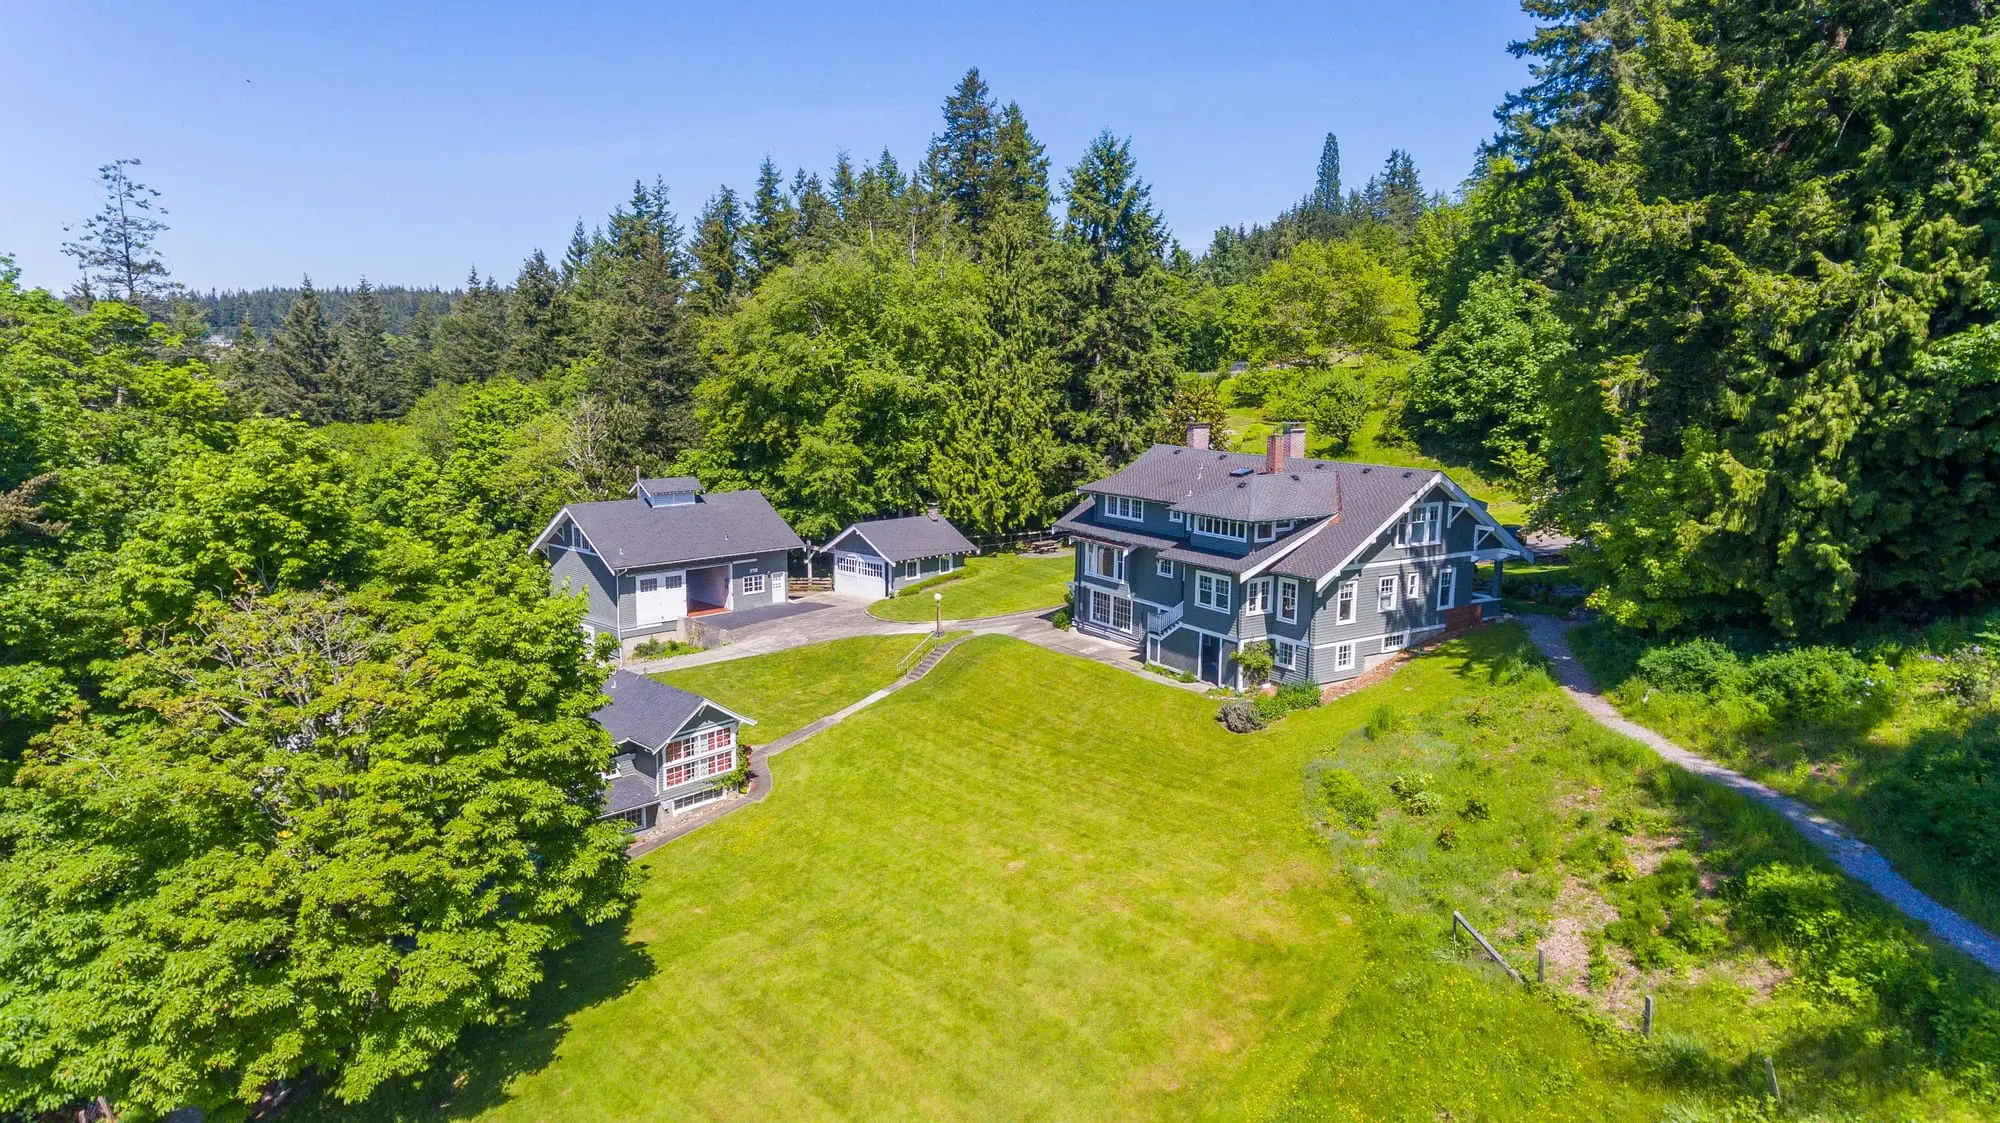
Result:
[[876, 559], [670, 744], [670, 552], [1189, 554]]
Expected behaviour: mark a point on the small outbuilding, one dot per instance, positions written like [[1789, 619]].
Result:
[[671, 746], [875, 559]]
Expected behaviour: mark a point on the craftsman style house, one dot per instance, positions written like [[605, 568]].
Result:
[[882, 557], [671, 746], [670, 552], [1190, 554]]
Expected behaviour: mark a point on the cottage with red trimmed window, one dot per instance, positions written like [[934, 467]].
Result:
[[671, 748]]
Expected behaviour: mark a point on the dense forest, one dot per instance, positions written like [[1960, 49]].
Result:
[[1719, 299]]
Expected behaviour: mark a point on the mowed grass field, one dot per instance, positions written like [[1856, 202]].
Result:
[[1030, 886], [991, 585], [789, 689]]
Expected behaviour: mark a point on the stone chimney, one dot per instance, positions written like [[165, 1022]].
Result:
[[932, 512], [1197, 435], [1274, 453], [1295, 440]]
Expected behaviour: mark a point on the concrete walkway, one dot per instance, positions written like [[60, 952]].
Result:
[[1859, 860], [836, 617], [760, 780]]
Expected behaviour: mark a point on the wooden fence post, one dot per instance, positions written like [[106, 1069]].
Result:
[[1541, 966], [1646, 1019], [1771, 1074]]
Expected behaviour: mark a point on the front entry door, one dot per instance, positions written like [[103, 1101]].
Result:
[[1211, 659], [659, 598]]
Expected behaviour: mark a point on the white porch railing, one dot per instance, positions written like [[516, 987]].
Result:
[[1162, 621]]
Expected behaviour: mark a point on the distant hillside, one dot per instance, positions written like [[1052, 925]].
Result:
[[266, 308]]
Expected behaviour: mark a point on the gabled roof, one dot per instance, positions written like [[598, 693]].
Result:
[[908, 539], [633, 534], [648, 712]]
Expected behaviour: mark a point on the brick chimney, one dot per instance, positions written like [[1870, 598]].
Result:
[[1274, 453], [1295, 440], [1197, 435]]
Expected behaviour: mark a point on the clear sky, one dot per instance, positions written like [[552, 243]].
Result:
[[408, 142]]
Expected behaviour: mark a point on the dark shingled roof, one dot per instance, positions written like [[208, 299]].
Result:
[[907, 539], [1371, 495], [631, 534], [665, 484], [645, 711], [627, 791], [1072, 524]]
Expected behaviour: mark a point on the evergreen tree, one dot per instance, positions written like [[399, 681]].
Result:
[[1325, 197], [302, 358], [721, 275], [819, 220], [577, 255], [1110, 210], [645, 341], [416, 366], [1394, 197], [472, 341], [965, 153], [539, 321], [773, 223], [1018, 196], [115, 251], [881, 204], [364, 377]]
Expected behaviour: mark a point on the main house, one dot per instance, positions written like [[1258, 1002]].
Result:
[[670, 745], [1190, 554], [882, 557], [670, 552]]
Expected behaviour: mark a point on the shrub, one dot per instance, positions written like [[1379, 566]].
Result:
[[1347, 798], [1256, 661], [1447, 837], [1061, 619], [1946, 788], [1698, 666], [1972, 672], [1299, 695], [1805, 684], [1476, 811], [1240, 715], [1270, 706], [1413, 794], [663, 647], [1383, 720]]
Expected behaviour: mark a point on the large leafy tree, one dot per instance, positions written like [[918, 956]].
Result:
[[1326, 303], [1481, 391], [1766, 225], [303, 838]]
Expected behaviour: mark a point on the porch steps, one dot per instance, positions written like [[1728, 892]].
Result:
[[931, 659]]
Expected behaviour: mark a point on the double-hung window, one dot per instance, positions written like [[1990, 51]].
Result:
[[1104, 561], [1423, 526], [1288, 601], [1221, 528], [1343, 656], [1343, 603], [1125, 507], [1163, 567], [754, 584], [1385, 594], [1447, 588], [1413, 588], [1257, 595], [1285, 654], [1211, 590]]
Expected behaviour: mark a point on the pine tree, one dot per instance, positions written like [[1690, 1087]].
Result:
[[115, 251], [1018, 197], [472, 340], [966, 152], [773, 223], [844, 188], [649, 361], [819, 221], [540, 323], [1326, 186], [1394, 197], [416, 366], [721, 274], [1110, 210], [577, 255], [364, 381], [302, 358]]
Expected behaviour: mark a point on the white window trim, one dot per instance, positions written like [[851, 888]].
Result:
[[1343, 656], [1257, 595], [1125, 507], [755, 584], [1265, 533], [1395, 641], [1413, 588], [1212, 591], [1388, 593], [1285, 653], [1292, 587], [1447, 586], [1163, 567], [1211, 526], [1090, 559], [1177, 516], [1345, 600], [1109, 617], [1429, 516]]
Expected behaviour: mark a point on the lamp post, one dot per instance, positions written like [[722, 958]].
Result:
[[937, 599]]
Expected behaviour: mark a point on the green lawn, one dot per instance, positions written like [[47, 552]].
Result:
[[1030, 886], [990, 585], [792, 688]]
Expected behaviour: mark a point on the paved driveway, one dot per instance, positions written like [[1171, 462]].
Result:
[[831, 617]]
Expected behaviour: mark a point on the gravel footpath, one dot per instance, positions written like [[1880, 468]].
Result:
[[1859, 860]]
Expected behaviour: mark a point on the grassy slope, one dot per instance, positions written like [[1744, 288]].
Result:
[[1839, 769], [991, 585], [792, 688], [1103, 906]]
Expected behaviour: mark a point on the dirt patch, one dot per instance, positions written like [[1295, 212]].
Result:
[[1646, 853], [1579, 912]]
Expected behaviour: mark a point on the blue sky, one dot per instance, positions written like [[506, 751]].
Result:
[[408, 142]]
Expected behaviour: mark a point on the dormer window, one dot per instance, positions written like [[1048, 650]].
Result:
[[1221, 528], [1124, 507], [1423, 526]]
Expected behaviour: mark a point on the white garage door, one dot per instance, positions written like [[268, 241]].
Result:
[[660, 598], [858, 575]]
